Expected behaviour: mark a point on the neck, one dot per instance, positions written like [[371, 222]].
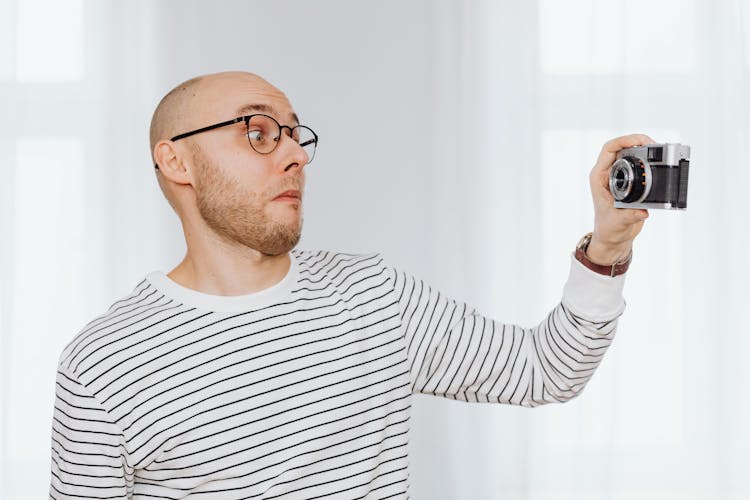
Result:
[[218, 267]]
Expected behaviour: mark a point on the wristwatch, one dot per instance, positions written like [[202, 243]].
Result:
[[615, 269]]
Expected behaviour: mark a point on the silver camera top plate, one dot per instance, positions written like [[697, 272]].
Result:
[[672, 153]]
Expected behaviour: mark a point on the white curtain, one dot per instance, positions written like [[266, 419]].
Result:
[[456, 138]]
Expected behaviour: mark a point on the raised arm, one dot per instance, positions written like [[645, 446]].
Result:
[[455, 351]]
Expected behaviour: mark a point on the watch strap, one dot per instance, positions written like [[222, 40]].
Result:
[[613, 270]]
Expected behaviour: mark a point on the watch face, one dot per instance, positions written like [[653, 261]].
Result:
[[583, 243]]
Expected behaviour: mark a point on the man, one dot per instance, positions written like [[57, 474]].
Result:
[[253, 370]]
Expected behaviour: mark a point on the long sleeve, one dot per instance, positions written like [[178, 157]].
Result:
[[454, 351], [87, 447]]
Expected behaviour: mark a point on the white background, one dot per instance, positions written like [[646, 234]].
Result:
[[456, 138]]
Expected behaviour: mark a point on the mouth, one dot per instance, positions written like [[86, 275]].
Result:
[[289, 195]]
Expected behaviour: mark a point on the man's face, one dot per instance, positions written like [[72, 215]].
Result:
[[243, 196]]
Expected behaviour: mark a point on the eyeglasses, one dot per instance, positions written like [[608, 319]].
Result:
[[264, 134]]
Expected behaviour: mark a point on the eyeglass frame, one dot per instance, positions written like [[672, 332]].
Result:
[[246, 119]]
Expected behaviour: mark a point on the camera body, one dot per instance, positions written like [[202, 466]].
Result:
[[651, 176]]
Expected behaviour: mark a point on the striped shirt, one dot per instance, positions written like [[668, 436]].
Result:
[[302, 390]]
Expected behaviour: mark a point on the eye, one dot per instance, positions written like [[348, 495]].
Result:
[[255, 135]]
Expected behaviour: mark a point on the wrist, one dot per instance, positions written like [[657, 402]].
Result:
[[614, 266], [607, 254]]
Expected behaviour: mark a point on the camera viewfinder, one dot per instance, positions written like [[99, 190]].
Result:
[[655, 154]]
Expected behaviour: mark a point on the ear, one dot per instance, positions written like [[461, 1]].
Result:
[[172, 163]]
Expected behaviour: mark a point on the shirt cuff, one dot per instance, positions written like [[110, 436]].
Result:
[[591, 295]]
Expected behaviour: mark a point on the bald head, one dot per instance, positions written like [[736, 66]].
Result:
[[177, 111], [171, 109]]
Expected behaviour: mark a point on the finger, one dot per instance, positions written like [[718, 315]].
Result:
[[599, 179], [626, 141], [611, 147], [635, 215], [602, 194]]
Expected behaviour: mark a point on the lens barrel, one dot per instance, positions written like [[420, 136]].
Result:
[[629, 180]]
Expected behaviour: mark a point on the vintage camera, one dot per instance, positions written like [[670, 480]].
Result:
[[651, 176]]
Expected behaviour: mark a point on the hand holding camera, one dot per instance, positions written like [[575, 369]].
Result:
[[633, 173], [614, 228]]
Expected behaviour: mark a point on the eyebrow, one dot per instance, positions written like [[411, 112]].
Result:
[[265, 108]]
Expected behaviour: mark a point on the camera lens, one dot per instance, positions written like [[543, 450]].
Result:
[[620, 180], [628, 180]]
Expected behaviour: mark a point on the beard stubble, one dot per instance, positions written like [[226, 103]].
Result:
[[236, 214]]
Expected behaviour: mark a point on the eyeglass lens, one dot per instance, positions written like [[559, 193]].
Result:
[[264, 133]]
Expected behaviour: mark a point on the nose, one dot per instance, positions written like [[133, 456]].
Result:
[[294, 154]]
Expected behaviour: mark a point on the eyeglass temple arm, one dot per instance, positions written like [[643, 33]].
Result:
[[210, 127], [205, 129]]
